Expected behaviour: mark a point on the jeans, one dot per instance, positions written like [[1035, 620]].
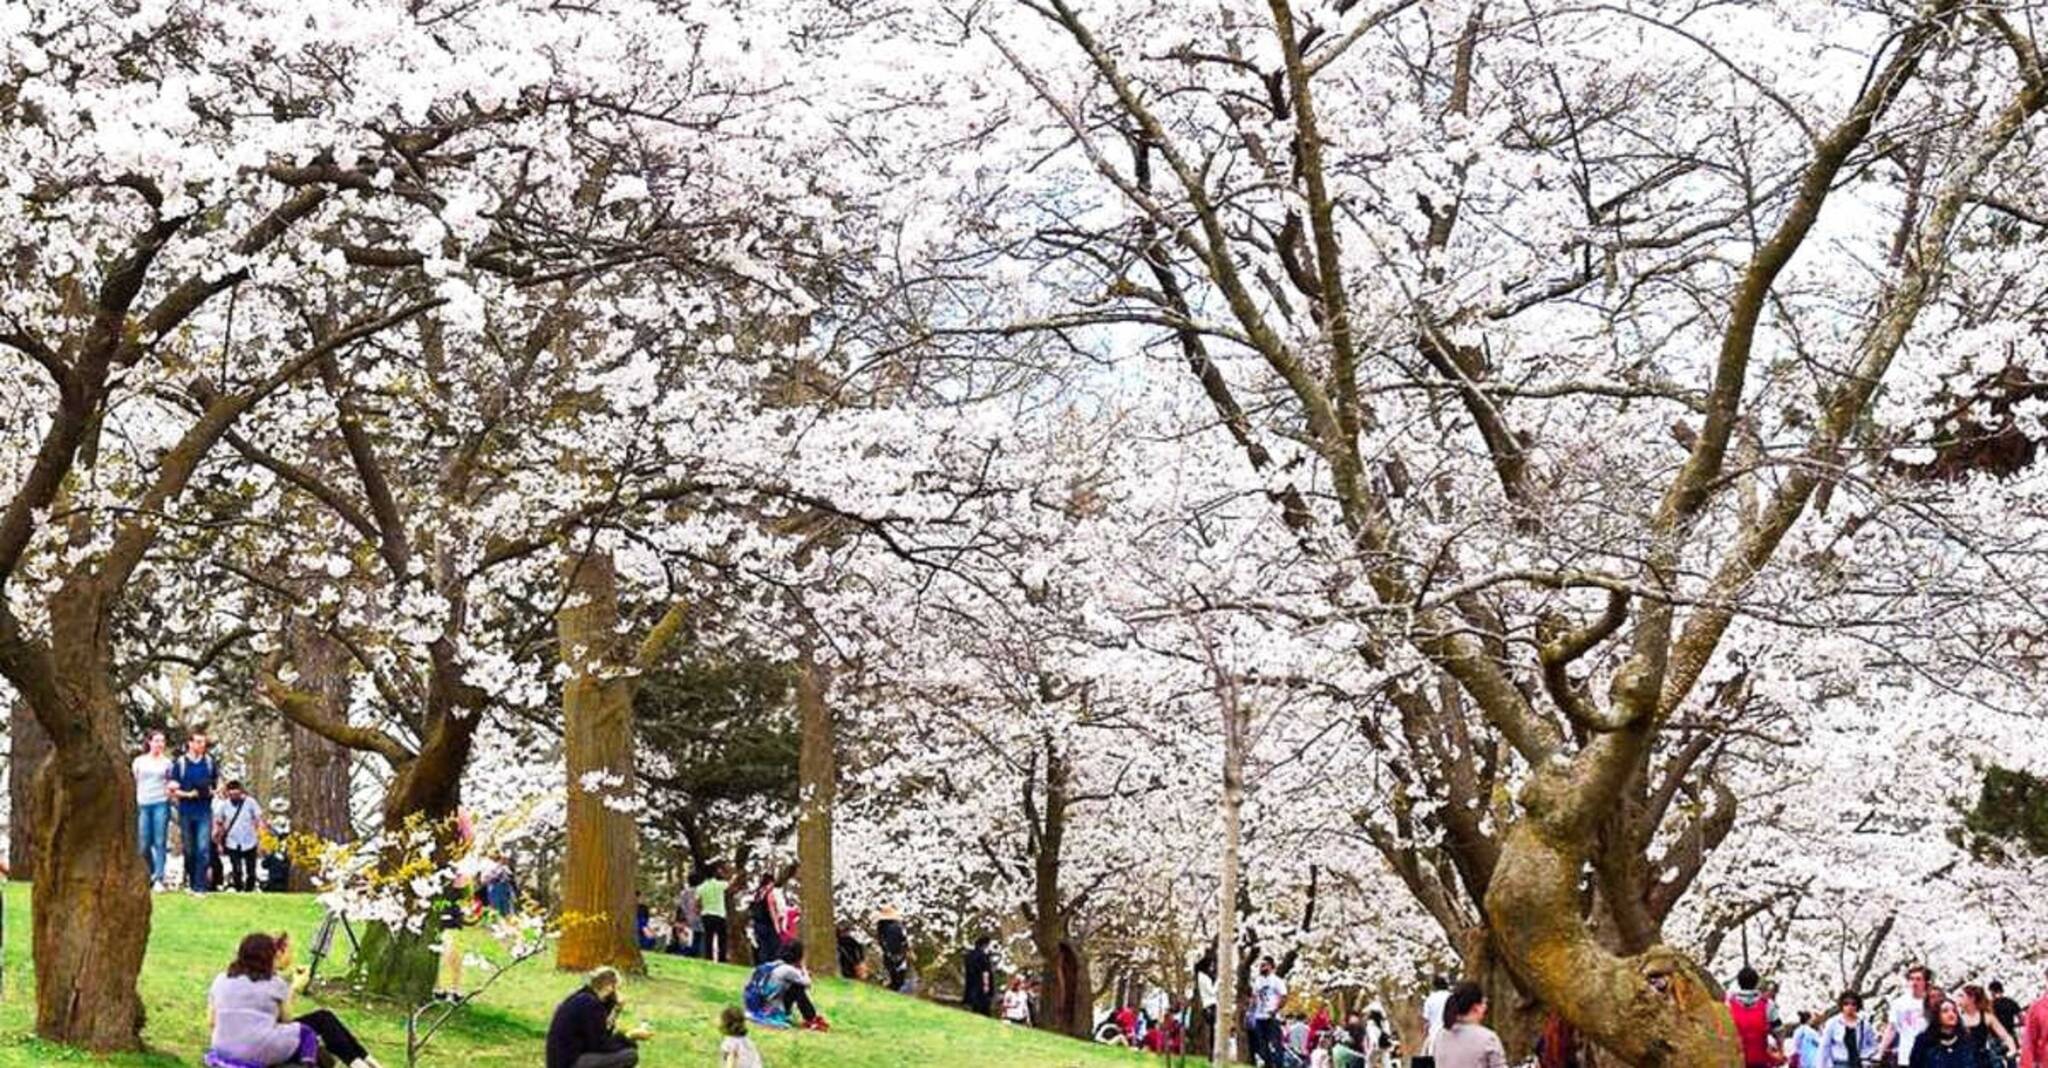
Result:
[[242, 870], [335, 1037], [152, 830], [197, 827]]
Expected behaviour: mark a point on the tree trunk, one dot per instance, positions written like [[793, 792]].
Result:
[[1652, 1010], [27, 746], [91, 907], [1232, 804], [597, 732], [397, 964], [817, 791], [318, 789]]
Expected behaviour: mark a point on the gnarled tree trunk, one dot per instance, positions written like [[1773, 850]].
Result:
[[91, 905], [27, 746]]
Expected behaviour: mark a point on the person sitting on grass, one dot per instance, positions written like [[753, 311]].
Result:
[[779, 987], [247, 1009], [585, 1031], [737, 1051]]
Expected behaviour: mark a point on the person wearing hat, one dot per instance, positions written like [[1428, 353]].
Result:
[[585, 1030], [895, 943]]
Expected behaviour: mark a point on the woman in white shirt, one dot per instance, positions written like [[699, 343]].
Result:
[[152, 769], [1017, 1002]]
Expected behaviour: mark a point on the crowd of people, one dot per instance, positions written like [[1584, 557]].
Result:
[[227, 840], [1973, 1026]]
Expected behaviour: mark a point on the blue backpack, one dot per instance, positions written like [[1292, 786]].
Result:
[[760, 996]]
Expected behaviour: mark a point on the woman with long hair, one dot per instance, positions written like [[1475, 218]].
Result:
[[248, 1010], [1983, 1024], [1947, 1043]]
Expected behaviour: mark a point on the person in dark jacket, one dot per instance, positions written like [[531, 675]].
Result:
[[895, 944], [980, 995], [853, 953], [584, 1032], [1947, 1043]]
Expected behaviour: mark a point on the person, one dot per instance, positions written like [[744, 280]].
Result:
[[1325, 1052], [1805, 1052], [895, 943], [192, 777], [1379, 1036], [689, 932], [1465, 1042], [585, 1030], [764, 916], [1983, 1024], [1947, 1043], [152, 769], [711, 907], [1268, 991], [2006, 1009], [1295, 1035], [1017, 1003], [980, 974], [737, 1051], [853, 953], [1349, 1050], [779, 987], [499, 892], [247, 1011], [1908, 1016], [643, 922], [784, 907], [2034, 1035], [238, 825], [1846, 1040], [1205, 997], [1318, 1022], [1755, 1019], [1433, 1010], [1558, 1045]]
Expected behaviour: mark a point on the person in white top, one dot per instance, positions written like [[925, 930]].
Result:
[[1908, 1017], [237, 828], [152, 770], [1433, 1011], [737, 1051], [1269, 992], [1017, 1002]]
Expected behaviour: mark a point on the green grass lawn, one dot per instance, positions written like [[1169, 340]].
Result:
[[191, 940]]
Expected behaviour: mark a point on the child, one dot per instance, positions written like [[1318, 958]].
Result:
[[738, 1050]]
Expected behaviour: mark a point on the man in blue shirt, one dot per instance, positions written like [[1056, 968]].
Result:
[[192, 779]]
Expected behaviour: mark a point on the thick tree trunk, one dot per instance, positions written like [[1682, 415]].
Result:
[[1654, 1009], [91, 906], [817, 792], [319, 767], [1068, 997], [27, 746], [597, 732], [397, 964]]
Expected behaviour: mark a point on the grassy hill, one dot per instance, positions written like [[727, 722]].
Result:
[[191, 939]]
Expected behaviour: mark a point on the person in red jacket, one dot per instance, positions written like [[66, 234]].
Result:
[[2034, 1036], [1755, 1019]]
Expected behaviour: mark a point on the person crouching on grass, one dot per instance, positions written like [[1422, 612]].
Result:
[[585, 1031], [779, 987]]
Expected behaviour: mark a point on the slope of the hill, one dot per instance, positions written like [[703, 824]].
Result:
[[191, 939]]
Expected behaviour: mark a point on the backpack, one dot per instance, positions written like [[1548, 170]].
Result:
[[1753, 1026], [759, 996]]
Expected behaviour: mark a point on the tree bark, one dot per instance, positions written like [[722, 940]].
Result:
[[1068, 1000], [27, 747], [1231, 803], [597, 733], [91, 906], [1653, 1009], [817, 792], [318, 790]]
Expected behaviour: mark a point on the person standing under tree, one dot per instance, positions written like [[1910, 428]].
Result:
[[1755, 1018], [1269, 992], [1433, 1011], [237, 829], [1908, 1017], [895, 943], [1847, 1038], [1465, 1042], [980, 979], [711, 910], [192, 778], [2034, 1035], [152, 769]]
